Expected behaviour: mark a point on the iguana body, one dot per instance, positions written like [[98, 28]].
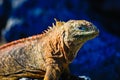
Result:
[[46, 55]]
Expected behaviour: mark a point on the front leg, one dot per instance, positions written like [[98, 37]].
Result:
[[53, 72]]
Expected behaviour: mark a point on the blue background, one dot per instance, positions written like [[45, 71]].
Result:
[[98, 58]]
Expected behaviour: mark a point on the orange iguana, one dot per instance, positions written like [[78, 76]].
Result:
[[46, 55]]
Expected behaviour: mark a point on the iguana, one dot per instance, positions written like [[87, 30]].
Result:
[[46, 55]]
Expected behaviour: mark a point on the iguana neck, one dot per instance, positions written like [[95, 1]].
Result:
[[72, 50]]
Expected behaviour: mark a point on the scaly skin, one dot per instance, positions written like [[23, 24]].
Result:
[[47, 55]]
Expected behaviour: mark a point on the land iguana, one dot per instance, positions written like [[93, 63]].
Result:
[[46, 55]]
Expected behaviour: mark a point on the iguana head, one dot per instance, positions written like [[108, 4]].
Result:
[[76, 33], [79, 31]]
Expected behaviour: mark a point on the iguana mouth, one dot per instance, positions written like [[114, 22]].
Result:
[[89, 34]]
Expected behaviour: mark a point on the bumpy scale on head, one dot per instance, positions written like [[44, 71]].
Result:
[[80, 31]]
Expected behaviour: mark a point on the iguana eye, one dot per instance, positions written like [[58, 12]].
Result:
[[83, 28]]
